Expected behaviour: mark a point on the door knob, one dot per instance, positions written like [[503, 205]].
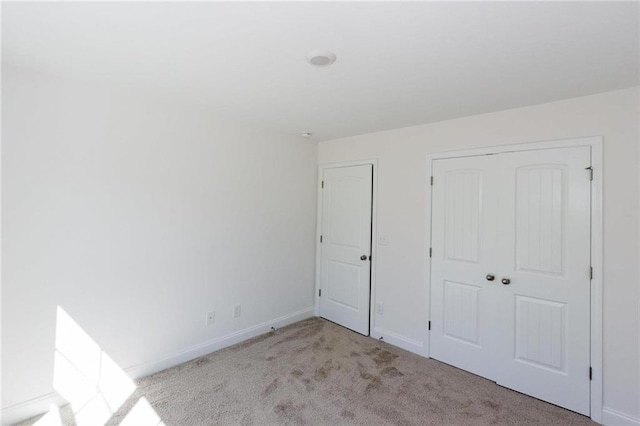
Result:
[[506, 281], [363, 257], [490, 277]]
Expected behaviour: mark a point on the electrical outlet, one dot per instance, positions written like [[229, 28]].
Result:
[[380, 308], [383, 240], [237, 310], [211, 318]]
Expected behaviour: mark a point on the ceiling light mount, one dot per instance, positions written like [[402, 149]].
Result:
[[306, 134], [321, 57]]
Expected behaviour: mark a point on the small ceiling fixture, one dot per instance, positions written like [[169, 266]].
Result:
[[305, 134], [321, 58]]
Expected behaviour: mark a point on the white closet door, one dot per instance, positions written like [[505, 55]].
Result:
[[544, 248], [345, 274], [464, 231]]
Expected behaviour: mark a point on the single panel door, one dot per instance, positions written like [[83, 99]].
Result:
[[345, 262], [464, 265], [544, 286]]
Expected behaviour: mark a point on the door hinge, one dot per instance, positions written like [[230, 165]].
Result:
[[320, 292], [429, 325], [591, 272], [430, 251], [322, 185], [590, 373], [431, 180], [590, 172], [321, 238]]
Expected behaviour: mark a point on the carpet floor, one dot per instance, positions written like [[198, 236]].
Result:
[[316, 372]]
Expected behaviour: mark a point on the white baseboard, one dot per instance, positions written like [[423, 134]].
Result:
[[612, 417], [41, 404], [147, 368], [398, 340], [27, 409]]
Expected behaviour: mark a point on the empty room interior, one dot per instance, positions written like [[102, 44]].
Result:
[[320, 213]]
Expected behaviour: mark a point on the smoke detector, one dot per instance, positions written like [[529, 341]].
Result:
[[321, 58]]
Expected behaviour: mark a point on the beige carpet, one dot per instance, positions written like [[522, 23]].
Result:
[[316, 372]]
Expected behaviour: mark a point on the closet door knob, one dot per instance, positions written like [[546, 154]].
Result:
[[363, 257], [490, 277], [506, 281]]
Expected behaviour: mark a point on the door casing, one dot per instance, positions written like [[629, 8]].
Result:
[[595, 144], [374, 255]]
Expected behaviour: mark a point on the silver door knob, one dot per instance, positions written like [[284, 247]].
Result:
[[506, 281], [363, 257], [490, 277]]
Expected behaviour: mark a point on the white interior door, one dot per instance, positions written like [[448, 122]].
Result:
[[545, 250], [345, 259], [523, 218], [464, 231]]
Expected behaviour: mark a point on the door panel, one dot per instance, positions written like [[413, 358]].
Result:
[[464, 227], [540, 332], [343, 283], [462, 215], [541, 214], [461, 312], [346, 237], [544, 240]]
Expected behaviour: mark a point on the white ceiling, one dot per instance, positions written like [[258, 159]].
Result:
[[399, 64]]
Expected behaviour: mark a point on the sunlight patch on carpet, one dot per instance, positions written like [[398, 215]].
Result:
[[93, 384]]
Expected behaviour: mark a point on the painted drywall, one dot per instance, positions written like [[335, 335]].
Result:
[[137, 216], [400, 268]]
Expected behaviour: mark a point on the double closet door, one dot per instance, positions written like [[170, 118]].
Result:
[[510, 271]]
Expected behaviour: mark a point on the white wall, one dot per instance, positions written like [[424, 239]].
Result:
[[400, 282], [137, 216]]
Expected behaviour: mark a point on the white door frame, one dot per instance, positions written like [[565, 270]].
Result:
[[595, 143], [374, 255]]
